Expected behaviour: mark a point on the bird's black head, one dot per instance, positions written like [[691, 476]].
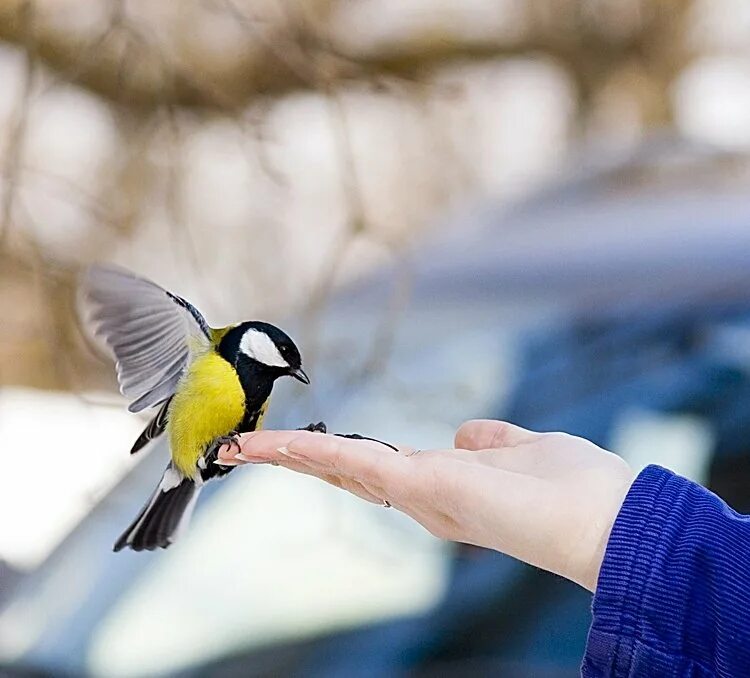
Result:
[[263, 349]]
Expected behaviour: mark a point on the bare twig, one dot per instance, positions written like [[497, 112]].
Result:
[[18, 126]]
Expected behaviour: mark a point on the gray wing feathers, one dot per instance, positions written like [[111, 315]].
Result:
[[148, 329]]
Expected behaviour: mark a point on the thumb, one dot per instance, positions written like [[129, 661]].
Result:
[[483, 434]]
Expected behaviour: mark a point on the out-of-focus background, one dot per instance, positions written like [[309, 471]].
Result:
[[528, 209]]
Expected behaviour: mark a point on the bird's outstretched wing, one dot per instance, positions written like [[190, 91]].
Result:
[[155, 428], [150, 331]]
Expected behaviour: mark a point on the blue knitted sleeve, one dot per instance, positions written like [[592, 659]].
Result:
[[673, 596]]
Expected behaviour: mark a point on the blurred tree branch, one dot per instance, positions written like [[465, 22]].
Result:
[[11, 166], [129, 68], [162, 79]]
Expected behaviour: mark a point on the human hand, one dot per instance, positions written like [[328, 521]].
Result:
[[548, 499]]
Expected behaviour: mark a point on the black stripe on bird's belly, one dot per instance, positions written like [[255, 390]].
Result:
[[213, 470], [250, 420], [257, 382]]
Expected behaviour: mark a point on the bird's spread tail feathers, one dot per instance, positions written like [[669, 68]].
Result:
[[165, 515]]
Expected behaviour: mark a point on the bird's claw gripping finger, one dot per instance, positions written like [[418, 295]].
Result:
[[232, 439], [212, 453], [357, 436], [320, 427]]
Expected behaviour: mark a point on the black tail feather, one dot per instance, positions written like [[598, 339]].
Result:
[[158, 523]]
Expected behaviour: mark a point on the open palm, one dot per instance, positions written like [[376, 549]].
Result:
[[548, 499]]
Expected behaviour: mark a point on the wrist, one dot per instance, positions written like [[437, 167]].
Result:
[[622, 479]]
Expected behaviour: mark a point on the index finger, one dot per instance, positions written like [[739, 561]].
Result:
[[363, 460]]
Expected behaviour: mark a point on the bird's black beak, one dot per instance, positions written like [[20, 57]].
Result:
[[299, 375]]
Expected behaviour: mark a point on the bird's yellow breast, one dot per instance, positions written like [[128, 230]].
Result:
[[209, 402]]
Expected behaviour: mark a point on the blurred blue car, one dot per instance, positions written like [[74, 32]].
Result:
[[623, 290]]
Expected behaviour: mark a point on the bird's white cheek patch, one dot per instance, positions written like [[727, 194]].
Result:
[[259, 346]]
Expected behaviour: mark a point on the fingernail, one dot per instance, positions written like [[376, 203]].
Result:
[[250, 459], [292, 455], [226, 462]]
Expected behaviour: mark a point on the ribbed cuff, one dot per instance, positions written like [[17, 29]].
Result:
[[630, 549], [672, 598], [628, 561]]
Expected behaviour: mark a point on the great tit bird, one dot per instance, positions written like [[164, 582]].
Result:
[[209, 384]]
